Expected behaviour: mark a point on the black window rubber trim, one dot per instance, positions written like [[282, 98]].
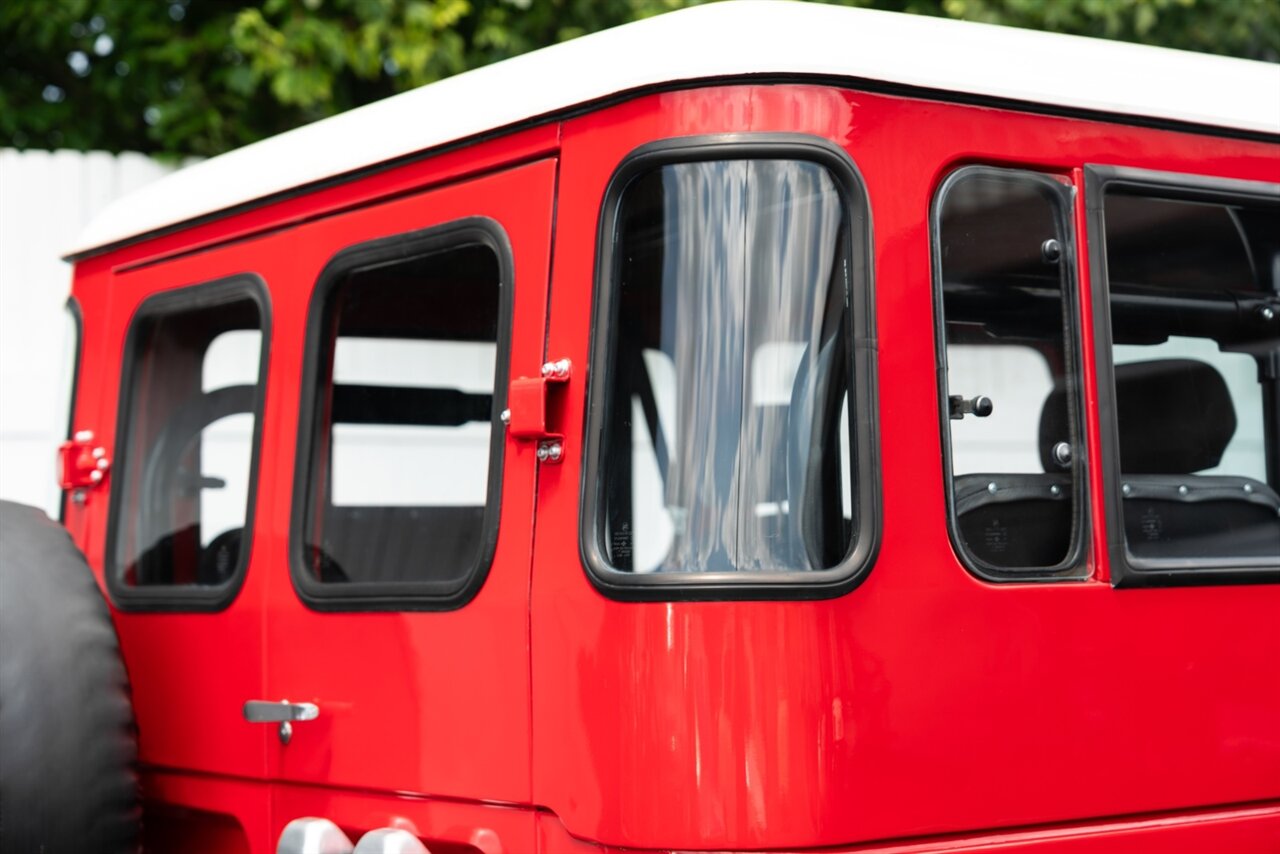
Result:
[[1128, 570], [445, 595], [1074, 566], [186, 597], [77, 319], [722, 586]]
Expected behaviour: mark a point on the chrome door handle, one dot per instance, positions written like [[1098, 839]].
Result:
[[272, 712], [282, 712]]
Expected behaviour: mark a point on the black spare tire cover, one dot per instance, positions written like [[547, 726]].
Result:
[[68, 743]]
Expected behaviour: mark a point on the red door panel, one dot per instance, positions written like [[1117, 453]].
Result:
[[426, 703], [189, 670]]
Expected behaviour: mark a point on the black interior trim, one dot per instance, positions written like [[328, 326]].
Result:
[[424, 407]]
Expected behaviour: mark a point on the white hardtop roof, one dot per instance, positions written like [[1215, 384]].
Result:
[[749, 37]]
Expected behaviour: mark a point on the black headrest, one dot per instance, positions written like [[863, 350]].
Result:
[[1175, 417]]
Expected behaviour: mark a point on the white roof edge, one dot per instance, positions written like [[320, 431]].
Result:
[[768, 37]]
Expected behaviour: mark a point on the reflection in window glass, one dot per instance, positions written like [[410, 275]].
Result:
[[231, 360], [404, 465], [726, 443], [1008, 439], [399, 470], [189, 446], [1195, 321], [1010, 385], [1245, 452]]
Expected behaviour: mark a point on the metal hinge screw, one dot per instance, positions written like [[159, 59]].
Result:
[[558, 370], [550, 452]]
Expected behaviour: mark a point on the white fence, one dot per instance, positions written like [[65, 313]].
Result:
[[45, 199]]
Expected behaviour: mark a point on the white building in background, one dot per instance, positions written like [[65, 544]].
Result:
[[46, 199]]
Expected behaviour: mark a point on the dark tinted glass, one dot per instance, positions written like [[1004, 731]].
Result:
[[186, 465], [68, 371], [726, 441], [1011, 382], [399, 474], [1195, 324]]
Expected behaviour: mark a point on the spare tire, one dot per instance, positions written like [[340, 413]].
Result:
[[68, 743]]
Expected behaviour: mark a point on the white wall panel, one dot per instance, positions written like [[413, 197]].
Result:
[[46, 198]]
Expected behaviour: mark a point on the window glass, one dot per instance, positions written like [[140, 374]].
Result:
[[726, 431], [1195, 321], [1010, 388], [400, 464], [68, 369], [406, 465], [195, 370]]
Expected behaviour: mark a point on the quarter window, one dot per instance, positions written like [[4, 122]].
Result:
[[1011, 422], [191, 406], [68, 373], [1194, 307], [727, 446], [402, 457]]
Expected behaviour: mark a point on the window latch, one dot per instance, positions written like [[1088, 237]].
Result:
[[526, 418], [980, 406], [82, 463]]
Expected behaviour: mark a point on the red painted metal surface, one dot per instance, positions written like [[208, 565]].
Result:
[[1250, 828], [527, 400], [204, 814], [925, 705], [1088, 360], [925, 701]]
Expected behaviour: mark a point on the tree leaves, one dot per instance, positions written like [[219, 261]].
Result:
[[201, 77]]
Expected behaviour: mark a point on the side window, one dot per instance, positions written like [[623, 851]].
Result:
[[401, 461], [190, 409], [723, 450], [1012, 433], [1193, 304], [68, 376]]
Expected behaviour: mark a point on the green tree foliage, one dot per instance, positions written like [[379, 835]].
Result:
[[204, 76]]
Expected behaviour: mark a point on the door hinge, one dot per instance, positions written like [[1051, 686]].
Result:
[[526, 415], [82, 463]]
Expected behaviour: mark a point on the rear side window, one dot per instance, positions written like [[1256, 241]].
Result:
[[1013, 439], [187, 447], [727, 449], [1193, 306], [68, 375], [401, 460]]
